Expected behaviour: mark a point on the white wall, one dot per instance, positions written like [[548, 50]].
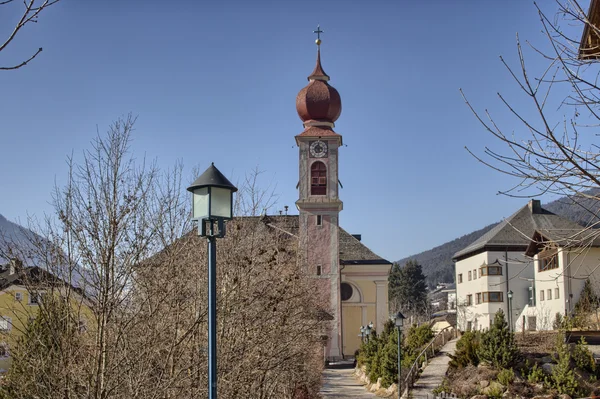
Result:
[[451, 303], [574, 267], [515, 266]]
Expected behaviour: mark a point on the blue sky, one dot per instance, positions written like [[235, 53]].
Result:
[[217, 81]]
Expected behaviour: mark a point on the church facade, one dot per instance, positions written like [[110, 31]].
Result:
[[352, 279]]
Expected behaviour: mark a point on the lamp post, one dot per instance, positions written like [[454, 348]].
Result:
[[362, 334], [510, 295], [368, 329], [212, 204], [399, 321]]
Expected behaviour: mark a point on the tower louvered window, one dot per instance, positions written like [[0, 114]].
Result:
[[318, 179]]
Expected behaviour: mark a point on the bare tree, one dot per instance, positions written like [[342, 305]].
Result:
[[255, 199], [553, 150], [465, 314], [29, 14], [133, 270]]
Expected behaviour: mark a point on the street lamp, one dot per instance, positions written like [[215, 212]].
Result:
[[368, 330], [362, 334], [510, 295], [212, 203], [399, 321]]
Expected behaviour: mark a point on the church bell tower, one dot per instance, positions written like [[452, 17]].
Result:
[[319, 106]]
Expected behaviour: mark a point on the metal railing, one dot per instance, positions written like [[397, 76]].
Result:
[[445, 335], [442, 395]]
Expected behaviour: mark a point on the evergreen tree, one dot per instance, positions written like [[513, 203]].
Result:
[[563, 377], [407, 287], [588, 300], [497, 346], [389, 361], [466, 350]]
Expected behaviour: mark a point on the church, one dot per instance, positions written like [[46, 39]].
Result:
[[353, 279]]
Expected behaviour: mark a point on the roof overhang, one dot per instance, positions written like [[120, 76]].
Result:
[[535, 245], [365, 262], [320, 204], [489, 248], [568, 238], [589, 47]]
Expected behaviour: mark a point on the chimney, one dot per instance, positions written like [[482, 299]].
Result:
[[535, 206], [357, 236]]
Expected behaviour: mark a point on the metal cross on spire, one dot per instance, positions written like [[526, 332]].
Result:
[[318, 32]]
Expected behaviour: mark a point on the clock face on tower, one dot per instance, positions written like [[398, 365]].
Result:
[[318, 149]]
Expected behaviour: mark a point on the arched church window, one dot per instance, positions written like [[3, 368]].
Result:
[[346, 291], [318, 178]]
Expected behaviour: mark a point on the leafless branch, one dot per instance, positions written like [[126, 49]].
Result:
[[31, 12]]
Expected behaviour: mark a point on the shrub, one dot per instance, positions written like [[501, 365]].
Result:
[[389, 360], [497, 345], [367, 351], [380, 353], [559, 322], [443, 387], [562, 378], [417, 337], [408, 358], [588, 300], [583, 356], [375, 367], [466, 350], [506, 377], [495, 392], [536, 375]]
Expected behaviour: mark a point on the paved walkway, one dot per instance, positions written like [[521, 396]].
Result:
[[341, 383], [434, 372]]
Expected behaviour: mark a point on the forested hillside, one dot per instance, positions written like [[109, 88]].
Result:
[[437, 262]]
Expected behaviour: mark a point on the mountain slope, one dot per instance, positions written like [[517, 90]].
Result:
[[11, 233], [437, 262]]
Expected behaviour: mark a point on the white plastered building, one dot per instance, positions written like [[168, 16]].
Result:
[[564, 258], [496, 264]]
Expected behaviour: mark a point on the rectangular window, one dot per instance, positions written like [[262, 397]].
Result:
[[549, 294], [319, 220], [318, 270], [5, 323], [469, 325], [35, 298], [469, 300], [495, 297], [490, 270], [556, 293], [541, 295], [492, 296], [4, 350], [547, 260], [18, 296], [469, 276], [478, 298], [459, 278], [474, 274]]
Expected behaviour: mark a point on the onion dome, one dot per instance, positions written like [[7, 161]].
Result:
[[318, 103]]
